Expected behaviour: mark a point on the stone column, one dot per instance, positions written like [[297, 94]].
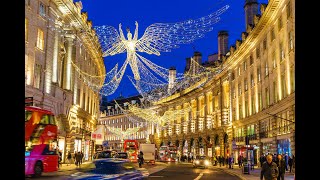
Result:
[[68, 66], [55, 56], [274, 136], [205, 111]]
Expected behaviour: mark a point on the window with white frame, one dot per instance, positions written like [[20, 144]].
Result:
[[178, 129], [200, 124], [185, 127], [193, 126]]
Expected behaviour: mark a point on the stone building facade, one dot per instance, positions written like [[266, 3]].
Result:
[[58, 39], [252, 98], [115, 117]]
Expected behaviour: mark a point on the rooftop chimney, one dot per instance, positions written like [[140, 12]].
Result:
[[222, 43], [251, 9]]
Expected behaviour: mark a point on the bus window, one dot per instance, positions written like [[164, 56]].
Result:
[[44, 119], [28, 115], [48, 151], [52, 120]]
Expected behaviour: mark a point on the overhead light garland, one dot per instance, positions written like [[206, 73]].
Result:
[[157, 37]]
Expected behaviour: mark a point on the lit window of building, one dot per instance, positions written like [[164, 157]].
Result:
[[178, 129], [289, 10], [193, 126], [26, 29], [185, 127], [239, 71], [200, 124], [267, 97], [291, 40], [282, 54], [245, 84], [252, 80], [273, 36], [244, 66], [266, 68], [40, 39], [259, 74], [274, 61]]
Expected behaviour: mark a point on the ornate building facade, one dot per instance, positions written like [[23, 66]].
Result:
[[59, 40], [252, 98], [115, 117]]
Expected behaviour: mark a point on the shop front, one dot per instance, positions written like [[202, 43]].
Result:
[[283, 147], [86, 150], [61, 145], [185, 148], [77, 145]]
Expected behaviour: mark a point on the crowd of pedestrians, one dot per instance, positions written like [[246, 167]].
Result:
[[274, 167]]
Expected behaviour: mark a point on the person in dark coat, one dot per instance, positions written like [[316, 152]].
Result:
[[69, 158], [290, 163], [78, 159], [269, 170], [140, 159], [281, 166]]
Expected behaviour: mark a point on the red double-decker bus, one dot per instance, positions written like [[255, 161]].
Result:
[[131, 147], [40, 141]]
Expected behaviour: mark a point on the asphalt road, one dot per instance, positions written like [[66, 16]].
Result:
[[187, 172], [173, 171]]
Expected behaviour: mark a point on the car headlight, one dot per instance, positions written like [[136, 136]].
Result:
[[169, 159], [206, 162], [197, 161]]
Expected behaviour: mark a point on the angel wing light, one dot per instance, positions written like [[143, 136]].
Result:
[[158, 37]]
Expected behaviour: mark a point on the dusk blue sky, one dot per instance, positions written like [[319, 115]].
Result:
[[147, 12]]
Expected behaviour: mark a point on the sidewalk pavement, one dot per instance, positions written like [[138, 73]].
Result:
[[254, 174]]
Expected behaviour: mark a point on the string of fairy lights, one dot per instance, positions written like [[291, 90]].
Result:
[[158, 37]]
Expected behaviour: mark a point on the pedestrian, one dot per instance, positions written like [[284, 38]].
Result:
[[69, 158], [290, 163], [269, 170], [286, 160], [140, 159], [281, 166], [78, 158], [81, 155], [60, 158]]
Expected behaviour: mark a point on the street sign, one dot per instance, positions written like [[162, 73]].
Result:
[[105, 143]]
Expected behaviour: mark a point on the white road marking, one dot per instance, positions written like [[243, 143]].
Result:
[[200, 175]]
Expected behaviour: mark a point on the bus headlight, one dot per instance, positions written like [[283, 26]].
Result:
[[206, 162], [197, 162]]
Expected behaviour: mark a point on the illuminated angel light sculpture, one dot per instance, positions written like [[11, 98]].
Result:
[[158, 37]]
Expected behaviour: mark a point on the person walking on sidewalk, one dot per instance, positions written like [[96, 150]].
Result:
[[69, 158], [269, 170], [140, 159], [281, 166], [81, 155], [290, 163], [78, 158]]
